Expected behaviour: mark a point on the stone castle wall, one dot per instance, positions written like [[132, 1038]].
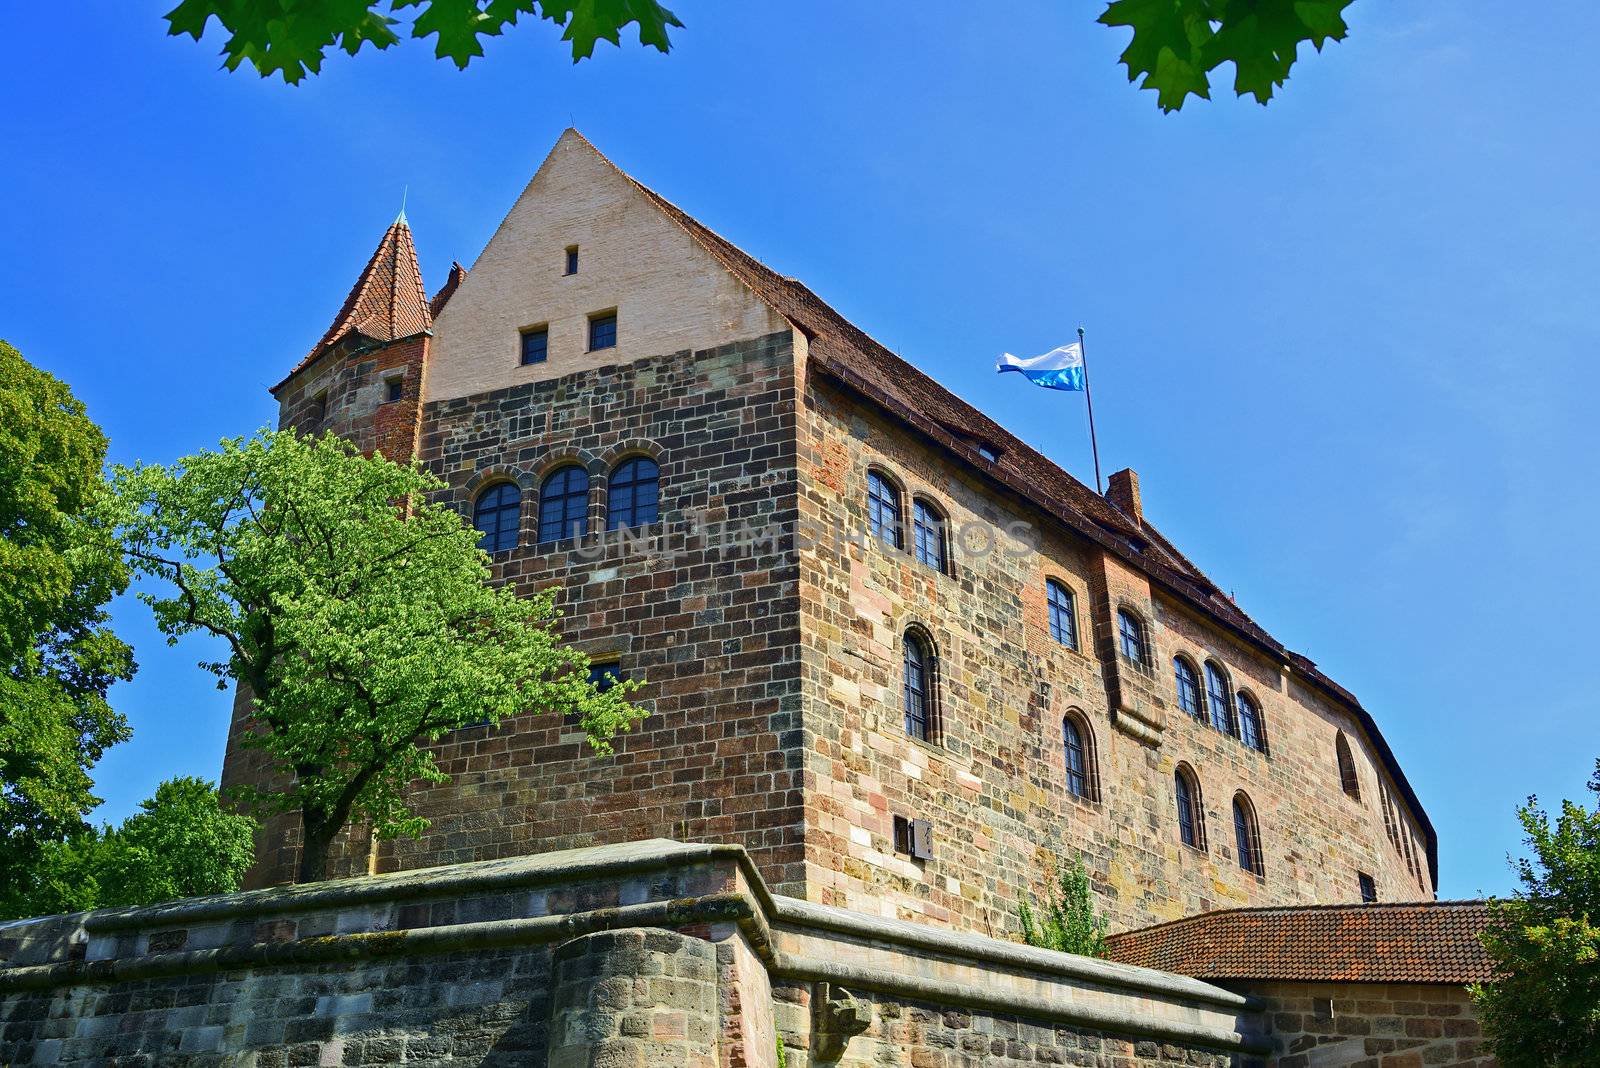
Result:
[[1376, 1025], [652, 955], [992, 780]]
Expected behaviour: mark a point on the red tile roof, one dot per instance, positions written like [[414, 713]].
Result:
[[387, 303], [845, 353], [1420, 942]]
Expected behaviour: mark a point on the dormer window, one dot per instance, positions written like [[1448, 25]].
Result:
[[603, 331], [988, 453], [572, 259]]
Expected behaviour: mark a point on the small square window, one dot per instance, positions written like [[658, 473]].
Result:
[[603, 676], [393, 389], [319, 409], [603, 331], [572, 259], [535, 345]]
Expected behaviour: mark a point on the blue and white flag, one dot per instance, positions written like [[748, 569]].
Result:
[[1057, 369]]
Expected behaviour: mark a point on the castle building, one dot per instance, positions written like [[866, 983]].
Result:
[[899, 656]]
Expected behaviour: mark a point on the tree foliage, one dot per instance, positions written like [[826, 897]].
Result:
[[1543, 1007], [181, 843], [358, 615], [1176, 44], [59, 566], [292, 37], [1066, 921]]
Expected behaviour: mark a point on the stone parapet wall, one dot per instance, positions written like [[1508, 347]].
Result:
[[1371, 1025], [652, 955]]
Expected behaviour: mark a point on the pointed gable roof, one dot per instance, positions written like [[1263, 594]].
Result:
[[387, 303], [848, 355]]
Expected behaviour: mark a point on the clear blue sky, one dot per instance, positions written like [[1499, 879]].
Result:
[[1348, 341]]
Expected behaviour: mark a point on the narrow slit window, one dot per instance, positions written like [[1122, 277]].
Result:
[[572, 259]]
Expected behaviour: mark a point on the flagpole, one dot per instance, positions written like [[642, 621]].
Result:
[[1094, 444]]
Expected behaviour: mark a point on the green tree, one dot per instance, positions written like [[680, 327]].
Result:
[[1067, 921], [181, 843], [1543, 1008], [358, 615], [1176, 44], [59, 566]]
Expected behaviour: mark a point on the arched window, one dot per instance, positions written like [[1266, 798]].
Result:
[[919, 679], [1247, 836], [1077, 744], [1347, 772], [1063, 614], [1252, 731], [883, 509], [927, 534], [1130, 634], [564, 504], [497, 514], [1191, 813], [633, 493], [1188, 686], [1217, 696]]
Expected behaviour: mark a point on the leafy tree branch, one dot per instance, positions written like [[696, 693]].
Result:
[[1175, 47]]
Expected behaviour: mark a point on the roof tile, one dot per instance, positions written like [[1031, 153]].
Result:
[[1418, 942]]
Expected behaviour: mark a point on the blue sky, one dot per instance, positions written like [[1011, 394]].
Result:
[[1346, 340]]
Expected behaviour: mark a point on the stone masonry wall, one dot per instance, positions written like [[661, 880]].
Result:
[[648, 955], [904, 1033], [1371, 1025], [992, 781], [711, 630]]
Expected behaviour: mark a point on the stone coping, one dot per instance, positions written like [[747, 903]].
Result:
[[982, 949], [563, 866]]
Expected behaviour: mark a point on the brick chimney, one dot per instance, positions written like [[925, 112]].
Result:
[[1122, 490]]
